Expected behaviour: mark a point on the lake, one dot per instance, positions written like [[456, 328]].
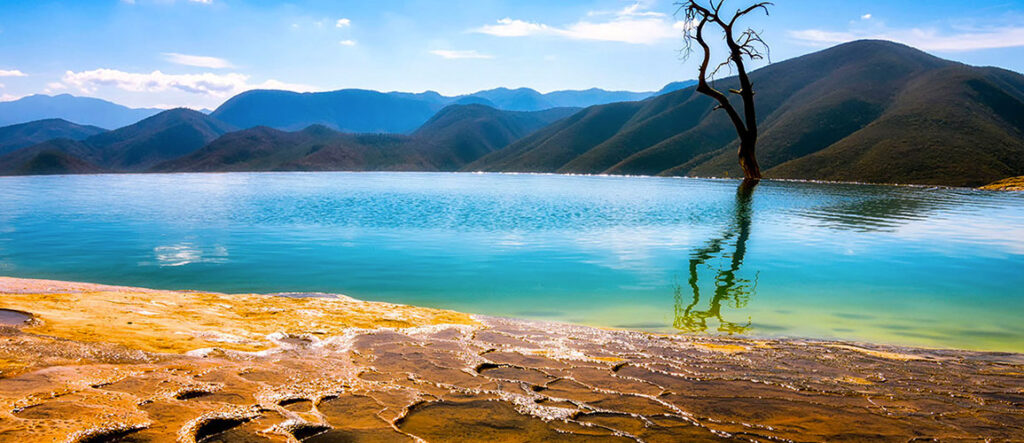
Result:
[[903, 265]]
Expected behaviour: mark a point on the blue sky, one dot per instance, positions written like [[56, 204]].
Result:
[[198, 53]]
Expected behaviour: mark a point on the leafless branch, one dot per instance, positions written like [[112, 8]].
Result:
[[747, 45]]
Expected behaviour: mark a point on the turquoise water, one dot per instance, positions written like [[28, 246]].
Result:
[[916, 266]]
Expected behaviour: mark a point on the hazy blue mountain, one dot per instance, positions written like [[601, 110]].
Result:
[[453, 137], [474, 100], [675, 86], [167, 135], [348, 110], [521, 99], [357, 110], [526, 99], [870, 110], [80, 110], [27, 134], [593, 96]]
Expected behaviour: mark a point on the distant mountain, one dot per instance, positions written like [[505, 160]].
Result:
[[521, 99], [27, 134], [169, 134], [349, 110], [455, 136], [346, 110], [526, 99], [81, 110], [357, 110], [676, 86], [593, 96], [870, 111]]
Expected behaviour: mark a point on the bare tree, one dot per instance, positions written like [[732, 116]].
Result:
[[747, 44]]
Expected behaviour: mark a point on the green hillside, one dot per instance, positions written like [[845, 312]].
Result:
[[864, 111], [18, 136], [58, 156], [134, 148]]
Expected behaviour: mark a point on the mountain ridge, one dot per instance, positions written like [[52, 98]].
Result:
[[450, 139], [21, 135], [862, 111], [362, 110], [86, 111], [133, 148]]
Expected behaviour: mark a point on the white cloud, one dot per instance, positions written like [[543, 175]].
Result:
[[12, 73], [450, 54], [926, 39], [507, 27], [197, 60], [865, 17], [53, 87], [632, 24], [8, 97], [205, 2], [209, 84], [342, 23], [347, 43], [637, 9]]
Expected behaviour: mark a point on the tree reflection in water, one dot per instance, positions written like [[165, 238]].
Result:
[[730, 288]]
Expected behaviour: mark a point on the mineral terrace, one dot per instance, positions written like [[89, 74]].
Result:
[[91, 363]]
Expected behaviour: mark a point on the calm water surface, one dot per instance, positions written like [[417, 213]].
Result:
[[917, 266]]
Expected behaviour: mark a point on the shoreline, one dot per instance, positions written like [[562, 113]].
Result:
[[98, 361], [986, 187]]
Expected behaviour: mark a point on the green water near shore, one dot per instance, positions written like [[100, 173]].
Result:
[[902, 265]]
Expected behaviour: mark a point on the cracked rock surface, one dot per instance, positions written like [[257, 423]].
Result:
[[486, 379]]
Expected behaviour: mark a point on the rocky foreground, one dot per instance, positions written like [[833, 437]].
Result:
[[92, 363]]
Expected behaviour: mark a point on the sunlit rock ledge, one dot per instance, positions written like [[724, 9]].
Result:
[[1006, 184], [83, 362]]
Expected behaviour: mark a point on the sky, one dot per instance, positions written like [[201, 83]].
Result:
[[199, 53]]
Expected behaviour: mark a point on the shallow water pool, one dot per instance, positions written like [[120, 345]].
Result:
[[903, 265]]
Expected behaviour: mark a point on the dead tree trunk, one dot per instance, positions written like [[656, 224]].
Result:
[[747, 44]]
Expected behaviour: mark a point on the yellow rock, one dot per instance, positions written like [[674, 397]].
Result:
[[1006, 184], [181, 321]]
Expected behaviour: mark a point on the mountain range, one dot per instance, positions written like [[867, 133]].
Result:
[[350, 110], [81, 110], [186, 140], [869, 111], [360, 110], [134, 148], [455, 136], [872, 111]]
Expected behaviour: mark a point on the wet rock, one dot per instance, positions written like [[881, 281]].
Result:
[[491, 379]]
